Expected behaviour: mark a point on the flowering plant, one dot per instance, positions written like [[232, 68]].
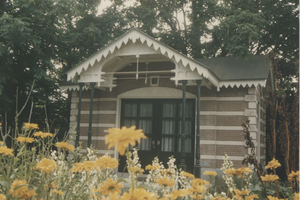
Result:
[[32, 170]]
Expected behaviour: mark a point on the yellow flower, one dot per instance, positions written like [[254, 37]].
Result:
[[210, 173], [296, 197], [136, 170], [89, 165], [86, 166], [138, 194], [244, 170], [198, 196], [165, 181], [108, 187], [78, 167], [198, 181], [22, 191], [31, 126], [197, 188], [46, 165], [1, 142], [273, 164], [292, 175], [275, 198], [58, 192], [42, 135], [6, 151], [251, 197], [65, 146], [220, 198], [269, 178], [232, 171], [186, 174], [241, 192], [107, 162], [152, 167], [112, 196], [25, 139], [2, 197], [177, 193], [123, 137]]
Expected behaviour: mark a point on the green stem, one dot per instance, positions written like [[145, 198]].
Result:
[[25, 159]]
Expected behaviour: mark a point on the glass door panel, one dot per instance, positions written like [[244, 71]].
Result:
[[160, 120]]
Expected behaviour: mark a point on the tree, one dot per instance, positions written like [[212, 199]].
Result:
[[37, 36], [235, 28]]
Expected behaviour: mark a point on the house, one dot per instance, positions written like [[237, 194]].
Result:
[[137, 80]]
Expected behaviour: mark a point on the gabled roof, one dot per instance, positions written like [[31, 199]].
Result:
[[230, 68], [219, 71]]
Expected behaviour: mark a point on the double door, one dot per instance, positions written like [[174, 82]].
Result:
[[161, 122]]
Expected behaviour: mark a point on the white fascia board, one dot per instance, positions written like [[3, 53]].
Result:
[[242, 83]]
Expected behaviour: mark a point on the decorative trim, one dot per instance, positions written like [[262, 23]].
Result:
[[136, 36], [243, 83]]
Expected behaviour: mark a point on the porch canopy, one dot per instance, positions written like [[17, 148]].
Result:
[[137, 47]]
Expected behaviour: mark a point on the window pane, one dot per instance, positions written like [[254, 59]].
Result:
[[188, 109], [130, 122], [146, 125], [146, 110], [169, 110], [145, 144], [187, 145], [130, 110], [168, 127], [167, 144], [188, 128]]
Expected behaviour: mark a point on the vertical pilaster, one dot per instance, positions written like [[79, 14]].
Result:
[[78, 116], [182, 164], [91, 115], [197, 167]]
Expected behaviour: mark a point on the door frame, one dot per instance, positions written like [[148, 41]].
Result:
[[149, 93]]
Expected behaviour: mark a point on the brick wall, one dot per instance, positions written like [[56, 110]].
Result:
[[222, 114]]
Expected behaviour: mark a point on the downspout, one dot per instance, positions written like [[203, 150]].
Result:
[[197, 167], [258, 133], [182, 164], [91, 116]]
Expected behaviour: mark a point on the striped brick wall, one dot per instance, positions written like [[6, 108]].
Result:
[[222, 114]]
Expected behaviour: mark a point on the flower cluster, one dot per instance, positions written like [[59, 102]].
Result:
[[36, 172], [65, 146], [123, 137]]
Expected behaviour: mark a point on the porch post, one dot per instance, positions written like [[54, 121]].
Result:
[[182, 164], [91, 115], [197, 167], [78, 115]]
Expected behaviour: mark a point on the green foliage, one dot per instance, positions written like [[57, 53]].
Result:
[[39, 35]]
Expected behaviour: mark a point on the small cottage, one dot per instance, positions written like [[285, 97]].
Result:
[[191, 109]]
